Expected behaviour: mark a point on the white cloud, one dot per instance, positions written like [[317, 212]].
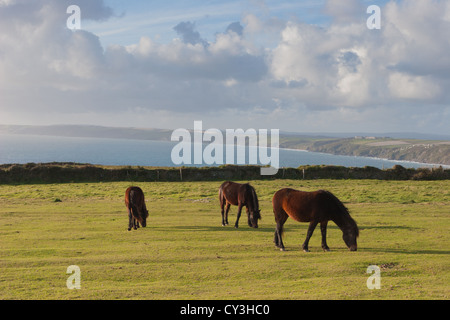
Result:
[[412, 87], [263, 70], [345, 11]]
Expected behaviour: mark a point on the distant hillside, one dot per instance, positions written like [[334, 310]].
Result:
[[89, 132], [394, 135], [424, 151], [377, 146]]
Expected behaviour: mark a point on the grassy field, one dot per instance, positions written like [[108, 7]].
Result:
[[185, 253]]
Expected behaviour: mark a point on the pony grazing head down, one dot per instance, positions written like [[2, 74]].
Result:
[[314, 207], [350, 234], [142, 216], [137, 210], [253, 218], [254, 213], [241, 195]]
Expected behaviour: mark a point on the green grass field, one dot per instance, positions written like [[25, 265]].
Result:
[[185, 253]]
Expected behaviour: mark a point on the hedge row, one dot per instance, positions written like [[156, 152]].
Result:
[[73, 172]]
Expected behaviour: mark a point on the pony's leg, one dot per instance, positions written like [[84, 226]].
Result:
[[323, 229], [130, 219], [226, 213], [236, 225], [280, 219], [312, 226], [276, 238]]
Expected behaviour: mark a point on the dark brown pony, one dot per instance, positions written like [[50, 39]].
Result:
[[231, 193], [313, 207], [137, 211]]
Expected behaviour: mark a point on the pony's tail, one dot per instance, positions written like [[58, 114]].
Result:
[[280, 228], [221, 198], [134, 211], [279, 213]]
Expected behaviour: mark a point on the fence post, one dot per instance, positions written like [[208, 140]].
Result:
[[181, 175]]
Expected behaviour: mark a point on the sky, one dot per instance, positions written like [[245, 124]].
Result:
[[300, 66]]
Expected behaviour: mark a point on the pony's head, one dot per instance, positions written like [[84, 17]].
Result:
[[142, 217], [350, 234], [253, 217], [254, 213]]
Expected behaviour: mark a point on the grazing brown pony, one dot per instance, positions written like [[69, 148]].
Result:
[[231, 193], [137, 211], [313, 207]]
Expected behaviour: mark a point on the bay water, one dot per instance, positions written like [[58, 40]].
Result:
[[20, 149]]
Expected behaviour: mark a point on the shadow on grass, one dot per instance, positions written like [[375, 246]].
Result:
[[405, 251], [389, 228], [229, 228], [288, 228]]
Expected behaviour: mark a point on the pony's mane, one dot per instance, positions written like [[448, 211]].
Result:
[[255, 203], [342, 210]]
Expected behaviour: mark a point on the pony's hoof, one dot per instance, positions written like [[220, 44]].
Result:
[[305, 250], [129, 229], [282, 249], [326, 249]]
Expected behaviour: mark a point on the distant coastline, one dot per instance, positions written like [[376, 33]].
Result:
[[412, 150], [445, 166], [431, 149]]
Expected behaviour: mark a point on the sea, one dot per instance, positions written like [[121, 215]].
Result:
[[21, 149]]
